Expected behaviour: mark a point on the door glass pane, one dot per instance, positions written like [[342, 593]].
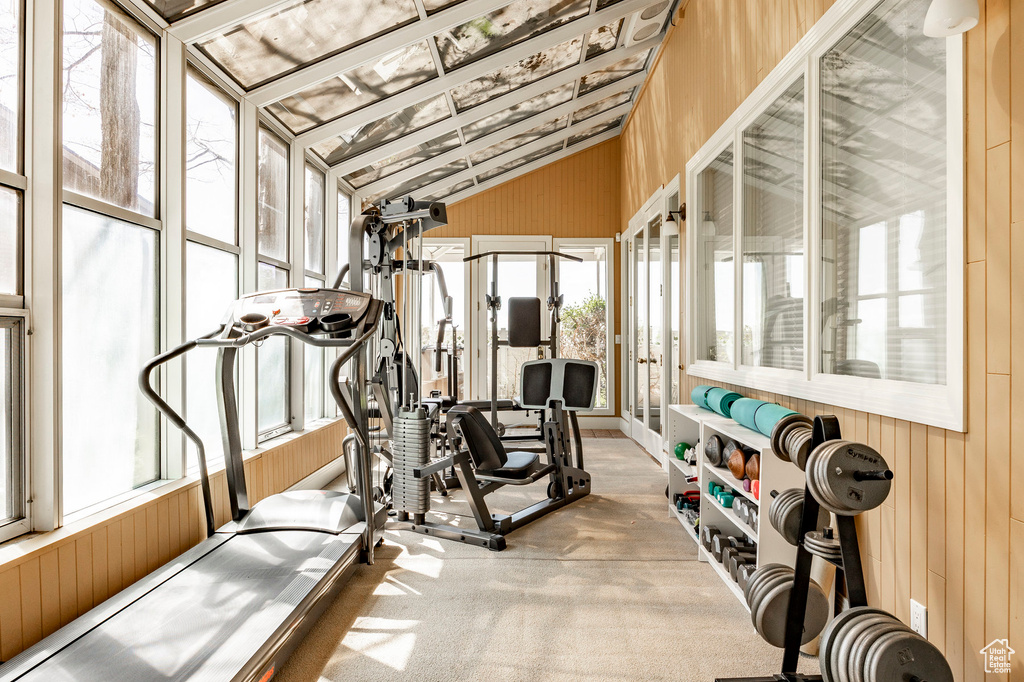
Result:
[[675, 313], [211, 278], [517, 277], [272, 363], [109, 118], [211, 138], [110, 431], [773, 234], [10, 85], [639, 364], [449, 258], [12, 480], [884, 166], [314, 219], [10, 241], [273, 196], [583, 332], [655, 356], [716, 319]]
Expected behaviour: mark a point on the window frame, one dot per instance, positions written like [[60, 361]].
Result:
[[935, 405], [467, 305], [19, 525]]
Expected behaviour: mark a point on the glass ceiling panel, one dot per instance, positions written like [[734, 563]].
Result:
[[343, 94], [521, 161], [603, 39], [513, 23], [447, 191], [518, 140], [410, 157], [601, 4], [602, 105], [518, 112], [437, 5], [615, 72], [172, 10], [590, 132], [302, 32], [410, 187], [362, 138], [514, 76]]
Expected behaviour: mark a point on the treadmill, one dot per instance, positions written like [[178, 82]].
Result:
[[236, 605]]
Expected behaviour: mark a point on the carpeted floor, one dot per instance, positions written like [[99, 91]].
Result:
[[607, 588]]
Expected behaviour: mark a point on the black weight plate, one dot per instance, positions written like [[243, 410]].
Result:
[[908, 656], [856, 496]]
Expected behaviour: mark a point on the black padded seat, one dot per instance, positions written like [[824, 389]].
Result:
[[519, 465]]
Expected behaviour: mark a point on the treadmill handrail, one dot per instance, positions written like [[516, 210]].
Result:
[[259, 334]]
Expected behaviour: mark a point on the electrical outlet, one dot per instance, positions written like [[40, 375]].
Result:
[[919, 618]]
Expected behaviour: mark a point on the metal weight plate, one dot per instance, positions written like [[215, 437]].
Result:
[[907, 655], [862, 641], [759, 575], [840, 478], [713, 450], [774, 608], [849, 639], [827, 650], [863, 646], [765, 588], [801, 448], [780, 426], [756, 591]]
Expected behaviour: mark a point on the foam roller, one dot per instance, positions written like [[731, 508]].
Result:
[[714, 398], [758, 415]]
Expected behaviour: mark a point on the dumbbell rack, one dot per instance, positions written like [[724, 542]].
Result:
[[848, 570]]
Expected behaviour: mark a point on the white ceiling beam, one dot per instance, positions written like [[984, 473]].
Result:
[[511, 155], [395, 103], [373, 49], [492, 106], [464, 151], [205, 23], [530, 167], [468, 10]]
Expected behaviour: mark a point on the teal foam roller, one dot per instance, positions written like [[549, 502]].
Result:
[[721, 401], [699, 396], [759, 415]]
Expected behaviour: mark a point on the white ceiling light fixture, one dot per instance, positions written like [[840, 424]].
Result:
[[950, 17]]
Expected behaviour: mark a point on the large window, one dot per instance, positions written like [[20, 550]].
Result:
[[211, 253], [10, 147], [584, 330], [110, 256], [447, 255], [12, 453], [273, 411], [854, 186], [314, 358]]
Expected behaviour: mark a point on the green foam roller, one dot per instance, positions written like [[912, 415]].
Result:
[[721, 401], [699, 396], [758, 415]]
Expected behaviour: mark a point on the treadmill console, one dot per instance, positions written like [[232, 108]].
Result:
[[338, 313]]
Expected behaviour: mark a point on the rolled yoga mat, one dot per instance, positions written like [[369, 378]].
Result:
[[759, 415], [714, 398]]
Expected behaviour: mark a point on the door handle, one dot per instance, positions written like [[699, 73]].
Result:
[[642, 361]]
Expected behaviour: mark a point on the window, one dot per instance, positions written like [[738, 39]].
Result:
[[211, 252], [12, 476], [314, 358], [110, 431], [10, 147], [584, 331], [855, 183], [447, 255], [273, 411], [344, 228], [109, 122]]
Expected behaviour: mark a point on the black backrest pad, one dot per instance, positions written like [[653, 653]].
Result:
[[578, 385], [536, 383], [485, 448], [524, 322]]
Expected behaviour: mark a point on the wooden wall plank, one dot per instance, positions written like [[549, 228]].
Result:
[[31, 602], [10, 612]]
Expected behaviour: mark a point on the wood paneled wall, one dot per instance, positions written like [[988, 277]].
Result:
[[49, 580], [951, 534]]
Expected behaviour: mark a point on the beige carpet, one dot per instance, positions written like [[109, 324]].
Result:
[[607, 588]]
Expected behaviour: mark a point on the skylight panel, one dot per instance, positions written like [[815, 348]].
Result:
[[521, 161], [513, 76], [593, 131], [447, 191], [410, 187], [373, 134], [603, 38], [300, 33], [504, 27], [172, 10], [433, 6], [602, 105], [519, 140], [615, 72], [518, 112], [343, 94], [396, 162]]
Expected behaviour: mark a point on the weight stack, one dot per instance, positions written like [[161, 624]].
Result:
[[410, 451]]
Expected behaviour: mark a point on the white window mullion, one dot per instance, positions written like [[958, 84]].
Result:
[[737, 246], [297, 239], [248, 163], [812, 221], [173, 244]]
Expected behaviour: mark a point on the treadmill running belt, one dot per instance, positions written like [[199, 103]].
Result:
[[210, 619]]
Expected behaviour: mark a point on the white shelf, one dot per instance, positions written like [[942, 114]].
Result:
[[726, 578], [729, 482], [685, 523], [684, 468], [732, 517]]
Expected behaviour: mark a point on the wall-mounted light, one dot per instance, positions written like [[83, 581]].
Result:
[[950, 17], [679, 215]]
